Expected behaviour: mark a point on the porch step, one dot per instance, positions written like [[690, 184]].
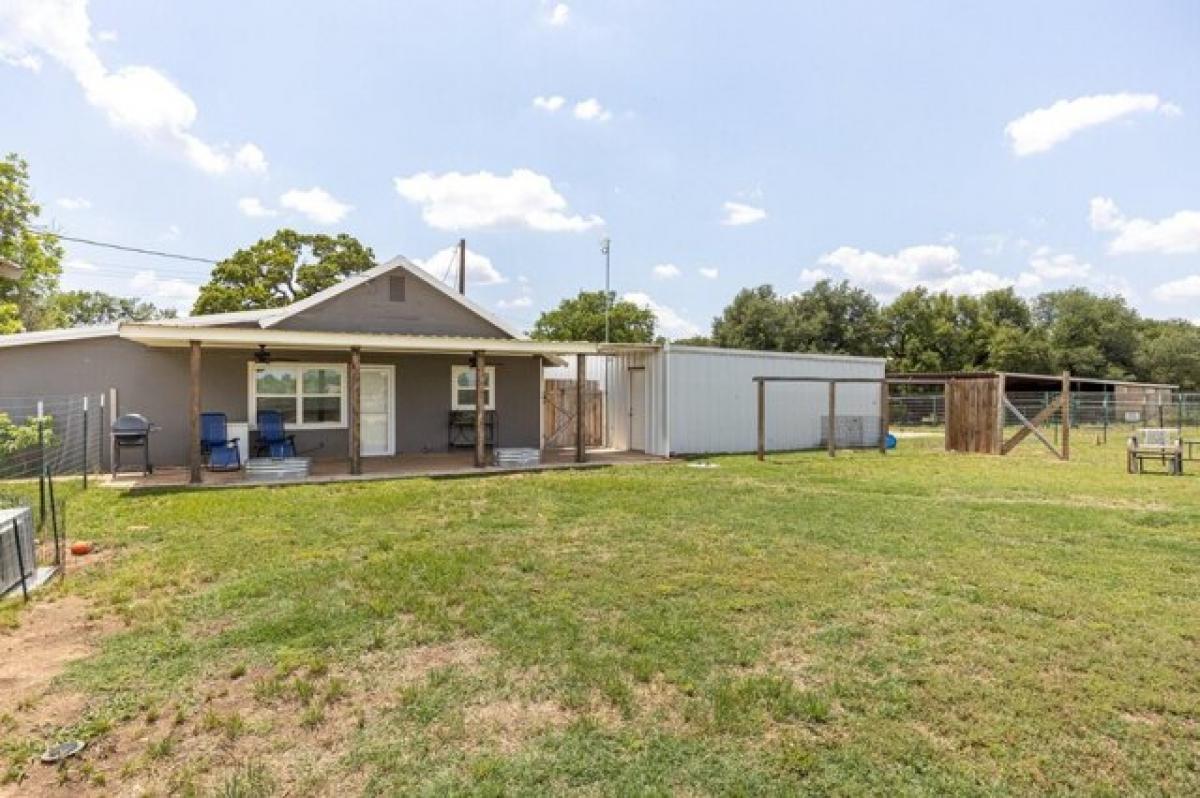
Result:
[[517, 458], [267, 469]]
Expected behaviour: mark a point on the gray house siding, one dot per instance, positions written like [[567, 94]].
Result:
[[154, 382], [370, 308]]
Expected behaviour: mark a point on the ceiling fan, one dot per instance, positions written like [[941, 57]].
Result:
[[264, 356]]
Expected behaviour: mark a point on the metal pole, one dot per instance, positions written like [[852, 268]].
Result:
[[605, 247], [762, 419], [41, 465], [20, 558], [85, 442]]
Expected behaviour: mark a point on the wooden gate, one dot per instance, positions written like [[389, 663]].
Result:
[[973, 415], [558, 418]]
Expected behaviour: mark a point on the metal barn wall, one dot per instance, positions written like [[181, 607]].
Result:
[[619, 366], [712, 403]]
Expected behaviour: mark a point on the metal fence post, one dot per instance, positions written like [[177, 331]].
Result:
[[20, 558], [85, 442], [41, 434]]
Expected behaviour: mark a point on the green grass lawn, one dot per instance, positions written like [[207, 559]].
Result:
[[917, 624]]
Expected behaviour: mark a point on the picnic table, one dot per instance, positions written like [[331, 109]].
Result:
[[1155, 444]]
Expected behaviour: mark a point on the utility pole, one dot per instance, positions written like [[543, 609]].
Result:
[[605, 246], [462, 266]]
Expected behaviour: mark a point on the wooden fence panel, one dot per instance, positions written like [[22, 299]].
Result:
[[558, 418], [972, 412]]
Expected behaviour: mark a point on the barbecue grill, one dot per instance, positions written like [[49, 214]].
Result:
[[132, 431]]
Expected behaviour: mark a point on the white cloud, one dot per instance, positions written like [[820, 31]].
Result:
[[172, 233], [813, 275], [709, 272], [1176, 234], [317, 204], [251, 158], [253, 207], [560, 14], [173, 292], [590, 110], [738, 213], [482, 201], [1048, 265], [106, 36], [515, 304], [443, 264], [665, 271], [1185, 288], [74, 203], [935, 266], [669, 323], [550, 104], [138, 99], [1041, 129], [79, 265]]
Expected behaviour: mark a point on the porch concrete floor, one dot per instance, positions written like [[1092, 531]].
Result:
[[458, 463]]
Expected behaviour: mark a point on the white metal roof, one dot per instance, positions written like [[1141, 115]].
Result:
[[54, 336], [165, 334]]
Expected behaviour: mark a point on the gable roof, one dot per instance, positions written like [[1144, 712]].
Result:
[[268, 317], [398, 263]]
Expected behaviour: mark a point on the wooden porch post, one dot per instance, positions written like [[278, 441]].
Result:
[[194, 415], [480, 413], [355, 410], [832, 418], [1066, 415], [1001, 390], [762, 419], [580, 379]]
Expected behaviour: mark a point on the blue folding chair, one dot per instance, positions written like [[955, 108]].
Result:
[[272, 437], [220, 450]]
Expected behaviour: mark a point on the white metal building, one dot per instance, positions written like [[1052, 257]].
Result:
[[672, 399]]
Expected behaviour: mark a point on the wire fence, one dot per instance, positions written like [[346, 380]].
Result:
[[64, 434], [1106, 416]]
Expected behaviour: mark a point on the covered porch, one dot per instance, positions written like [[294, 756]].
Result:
[[432, 465], [213, 354]]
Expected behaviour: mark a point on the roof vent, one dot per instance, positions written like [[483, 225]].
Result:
[[396, 288]]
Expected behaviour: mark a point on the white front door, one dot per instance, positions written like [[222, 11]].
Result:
[[377, 403], [637, 410]]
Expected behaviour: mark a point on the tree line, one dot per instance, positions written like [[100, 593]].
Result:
[[920, 330]]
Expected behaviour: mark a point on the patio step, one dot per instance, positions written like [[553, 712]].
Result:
[[267, 469], [517, 458]]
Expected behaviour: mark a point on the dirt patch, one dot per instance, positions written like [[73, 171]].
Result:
[[51, 634], [506, 725]]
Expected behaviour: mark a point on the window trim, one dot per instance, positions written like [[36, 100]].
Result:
[[252, 395], [490, 375]]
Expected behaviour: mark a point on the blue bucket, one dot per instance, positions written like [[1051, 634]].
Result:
[[890, 441]]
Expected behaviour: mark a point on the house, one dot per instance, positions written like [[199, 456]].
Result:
[[392, 342], [9, 270]]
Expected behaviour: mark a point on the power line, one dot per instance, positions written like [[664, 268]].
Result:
[[126, 248]]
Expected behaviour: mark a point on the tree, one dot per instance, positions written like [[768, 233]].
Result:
[[756, 319], [1090, 335], [934, 332], [279, 270], [834, 317], [83, 308], [24, 301], [582, 319], [1169, 352]]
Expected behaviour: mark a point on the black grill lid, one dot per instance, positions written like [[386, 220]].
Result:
[[131, 424]]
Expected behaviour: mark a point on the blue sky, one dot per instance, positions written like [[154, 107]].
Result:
[[957, 145]]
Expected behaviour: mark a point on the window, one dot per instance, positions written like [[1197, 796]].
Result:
[[462, 388], [308, 395]]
